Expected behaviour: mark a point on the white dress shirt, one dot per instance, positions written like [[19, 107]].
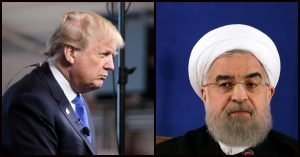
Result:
[[63, 83], [230, 150]]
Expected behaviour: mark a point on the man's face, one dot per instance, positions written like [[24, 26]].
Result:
[[237, 100], [91, 65]]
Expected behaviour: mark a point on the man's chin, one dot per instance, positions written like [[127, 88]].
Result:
[[98, 84], [93, 87], [239, 131]]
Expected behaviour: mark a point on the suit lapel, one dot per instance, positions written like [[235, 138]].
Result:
[[91, 124], [64, 104]]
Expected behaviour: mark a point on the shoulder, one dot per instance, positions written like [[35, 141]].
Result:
[[30, 94], [277, 143], [31, 82], [35, 85], [193, 142], [282, 143]]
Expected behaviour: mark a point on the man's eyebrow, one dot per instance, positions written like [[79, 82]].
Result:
[[228, 77], [254, 74], [223, 77], [107, 52]]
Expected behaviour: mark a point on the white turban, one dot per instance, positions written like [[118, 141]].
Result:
[[230, 37]]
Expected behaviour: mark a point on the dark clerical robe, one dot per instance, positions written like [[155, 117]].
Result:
[[200, 142]]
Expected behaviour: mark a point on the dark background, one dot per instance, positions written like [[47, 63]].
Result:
[[180, 25]]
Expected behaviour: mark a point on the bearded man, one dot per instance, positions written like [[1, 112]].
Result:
[[234, 69]]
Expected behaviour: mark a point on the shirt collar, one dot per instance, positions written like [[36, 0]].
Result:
[[230, 150], [62, 81]]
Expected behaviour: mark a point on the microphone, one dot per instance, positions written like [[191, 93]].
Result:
[[248, 152], [86, 131]]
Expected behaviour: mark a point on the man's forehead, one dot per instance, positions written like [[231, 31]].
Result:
[[236, 65], [102, 45], [237, 75]]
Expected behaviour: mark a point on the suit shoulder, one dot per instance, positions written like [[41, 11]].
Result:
[[283, 142], [183, 145]]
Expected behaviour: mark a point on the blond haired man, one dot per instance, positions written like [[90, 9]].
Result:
[[44, 112]]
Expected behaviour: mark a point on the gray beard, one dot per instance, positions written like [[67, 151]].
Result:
[[239, 130]]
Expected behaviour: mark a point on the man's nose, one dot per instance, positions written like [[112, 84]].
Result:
[[239, 93], [109, 65]]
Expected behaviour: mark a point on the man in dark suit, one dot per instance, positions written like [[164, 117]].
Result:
[[234, 69], [44, 113]]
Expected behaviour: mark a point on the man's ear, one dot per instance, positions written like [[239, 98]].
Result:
[[203, 93], [69, 54], [271, 92]]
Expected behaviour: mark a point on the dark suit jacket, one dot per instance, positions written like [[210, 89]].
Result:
[[199, 142], [35, 119]]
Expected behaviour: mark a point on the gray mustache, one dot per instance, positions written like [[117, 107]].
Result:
[[235, 107]]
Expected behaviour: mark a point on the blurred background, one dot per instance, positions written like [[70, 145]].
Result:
[[25, 30], [178, 28]]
